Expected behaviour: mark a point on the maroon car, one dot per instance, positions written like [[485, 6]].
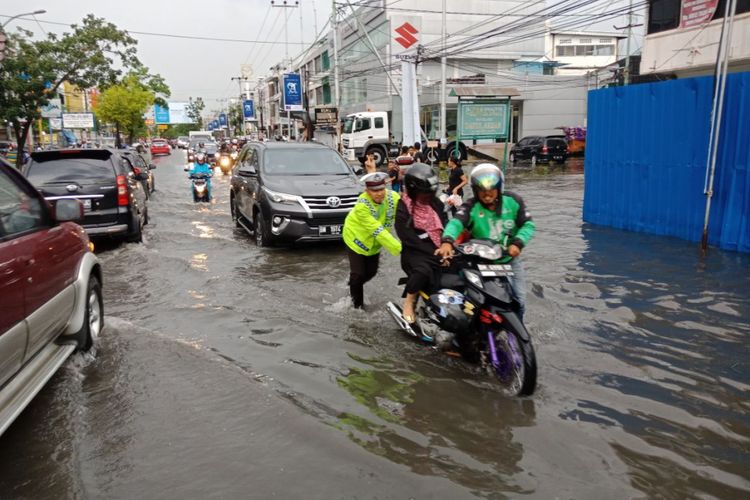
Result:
[[50, 284]]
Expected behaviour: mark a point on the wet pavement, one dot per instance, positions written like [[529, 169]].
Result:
[[229, 371]]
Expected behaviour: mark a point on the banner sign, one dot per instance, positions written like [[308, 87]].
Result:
[[326, 116], [292, 92], [178, 113], [53, 109], [482, 119], [248, 109], [78, 120], [55, 123], [161, 114], [223, 120], [697, 12]]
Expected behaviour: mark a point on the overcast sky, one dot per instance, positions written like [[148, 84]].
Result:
[[191, 67], [200, 67]]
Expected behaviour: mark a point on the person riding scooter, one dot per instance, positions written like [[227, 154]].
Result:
[[201, 167], [496, 215]]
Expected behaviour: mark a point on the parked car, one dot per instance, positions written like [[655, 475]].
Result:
[[183, 142], [50, 284], [141, 163], [160, 147], [291, 192], [107, 183], [540, 148]]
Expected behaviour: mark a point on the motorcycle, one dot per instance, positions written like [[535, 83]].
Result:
[[476, 311], [226, 162], [200, 187]]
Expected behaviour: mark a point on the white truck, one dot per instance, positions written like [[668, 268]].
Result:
[[367, 132], [370, 132], [201, 135]]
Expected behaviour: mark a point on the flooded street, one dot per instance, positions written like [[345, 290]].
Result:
[[230, 371]]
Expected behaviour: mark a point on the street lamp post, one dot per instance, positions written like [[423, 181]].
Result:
[[40, 11]]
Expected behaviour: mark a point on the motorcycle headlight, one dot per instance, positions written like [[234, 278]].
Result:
[[224, 161], [282, 197], [473, 278], [216, 155]]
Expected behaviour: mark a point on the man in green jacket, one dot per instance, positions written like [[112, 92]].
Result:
[[494, 215], [366, 231]]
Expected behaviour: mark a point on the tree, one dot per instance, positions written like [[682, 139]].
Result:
[[33, 70], [175, 131], [194, 110], [236, 118], [124, 103]]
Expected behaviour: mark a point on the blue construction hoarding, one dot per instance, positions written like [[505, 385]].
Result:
[[646, 150]]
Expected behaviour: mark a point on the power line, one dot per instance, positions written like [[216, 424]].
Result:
[[168, 35]]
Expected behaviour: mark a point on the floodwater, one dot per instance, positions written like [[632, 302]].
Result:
[[229, 371]]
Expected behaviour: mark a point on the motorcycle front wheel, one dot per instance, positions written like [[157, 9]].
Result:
[[516, 366]]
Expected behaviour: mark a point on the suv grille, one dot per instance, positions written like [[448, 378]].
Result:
[[321, 202]]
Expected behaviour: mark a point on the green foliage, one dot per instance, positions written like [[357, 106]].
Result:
[[33, 70], [236, 118], [194, 109], [123, 104], [175, 131]]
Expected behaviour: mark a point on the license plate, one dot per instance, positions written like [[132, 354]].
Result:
[[495, 270], [329, 230]]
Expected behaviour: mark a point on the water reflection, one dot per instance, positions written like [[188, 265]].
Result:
[[413, 421], [681, 388]]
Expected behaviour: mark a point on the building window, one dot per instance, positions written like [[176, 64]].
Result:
[[566, 51], [325, 61], [584, 50], [605, 50], [605, 40], [584, 41], [565, 41], [663, 15]]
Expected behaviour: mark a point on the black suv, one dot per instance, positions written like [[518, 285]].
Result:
[[108, 184], [540, 148], [292, 192]]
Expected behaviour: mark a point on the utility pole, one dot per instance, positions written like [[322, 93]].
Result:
[[336, 97], [629, 27], [443, 131], [287, 61]]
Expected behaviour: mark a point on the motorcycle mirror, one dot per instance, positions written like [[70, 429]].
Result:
[[186, 168]]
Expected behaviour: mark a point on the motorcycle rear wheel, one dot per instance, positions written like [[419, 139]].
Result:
[[517, 364]]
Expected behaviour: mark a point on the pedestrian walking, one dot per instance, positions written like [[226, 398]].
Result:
[[367, 231]]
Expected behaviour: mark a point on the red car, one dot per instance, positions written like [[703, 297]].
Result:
[[50, 284], [160, 147]]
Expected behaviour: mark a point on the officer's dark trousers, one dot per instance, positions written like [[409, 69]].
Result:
[[361, 270]]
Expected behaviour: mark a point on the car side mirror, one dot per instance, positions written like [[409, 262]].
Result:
[[68, 209]]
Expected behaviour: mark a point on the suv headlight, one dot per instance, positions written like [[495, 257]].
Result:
[[282, 197]]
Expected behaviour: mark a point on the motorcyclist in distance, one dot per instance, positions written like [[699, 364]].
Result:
[[201, 166]]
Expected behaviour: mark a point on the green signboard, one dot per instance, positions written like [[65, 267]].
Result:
[[483, 119]]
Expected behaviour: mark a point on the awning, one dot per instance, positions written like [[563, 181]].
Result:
[[483, 91]]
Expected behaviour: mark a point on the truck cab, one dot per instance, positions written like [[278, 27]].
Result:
[[366, 132]]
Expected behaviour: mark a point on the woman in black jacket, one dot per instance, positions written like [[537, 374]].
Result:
[[420, 219]]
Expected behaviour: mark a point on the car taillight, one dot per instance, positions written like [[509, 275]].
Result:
[[544, 149], [123, 199]]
